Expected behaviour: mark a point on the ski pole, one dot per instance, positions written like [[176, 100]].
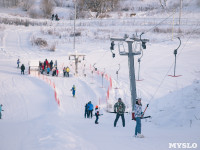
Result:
[[145, 110]]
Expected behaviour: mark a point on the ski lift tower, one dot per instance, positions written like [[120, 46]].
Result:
[[130, 53], [76, 56]]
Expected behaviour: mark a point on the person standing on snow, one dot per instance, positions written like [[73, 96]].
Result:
[[67, 70], [73, 90], [97, 114], [22, 68], [86, 110], [48, 70], [90, 109], [138, 115], [1, 110], [64, 72], [51, 64], [119, 108], [18, 62]]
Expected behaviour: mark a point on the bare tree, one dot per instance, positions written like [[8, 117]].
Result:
[[163, 3], [97, 6], [26, 4], [47, 7]]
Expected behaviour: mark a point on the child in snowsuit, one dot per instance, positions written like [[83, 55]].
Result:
[[138, 115], [73, 90], [96, 114], [22, 68], [0, 110]]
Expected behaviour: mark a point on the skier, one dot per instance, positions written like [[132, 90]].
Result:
[[54, 71], [120, 106], [90, 109], [57, 71], [67, 70], [86, 110], [138, 115], [73, 90], [18, 62], [64, 72], [96, 114], [51, 64], [22, 68], [48, 70], [1, 110], [42, 69]]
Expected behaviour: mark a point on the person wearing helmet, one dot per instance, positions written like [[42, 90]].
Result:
[[119, 108], [97, 114]]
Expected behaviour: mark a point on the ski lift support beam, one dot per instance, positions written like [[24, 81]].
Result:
[[130, 55]]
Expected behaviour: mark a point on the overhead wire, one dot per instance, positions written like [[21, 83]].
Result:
[[169, 69]]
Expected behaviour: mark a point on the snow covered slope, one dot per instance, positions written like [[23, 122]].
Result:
[[32, 119]]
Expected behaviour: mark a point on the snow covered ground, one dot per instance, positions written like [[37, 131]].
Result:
[[33, 120]]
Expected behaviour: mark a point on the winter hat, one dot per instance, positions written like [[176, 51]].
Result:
[[119, 99], [96, 106]]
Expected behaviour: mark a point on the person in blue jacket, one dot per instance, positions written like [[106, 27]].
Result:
[[90, 109], [0, 110], [18, 62], [73, 90], [48, 70]]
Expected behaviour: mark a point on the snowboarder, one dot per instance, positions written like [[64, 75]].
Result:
[[90, 109], [138, 115], [67, 70], [1, 110], [97, 115], [22, 68], [73, 90], [18, 62], [86, 110], [119, 108]]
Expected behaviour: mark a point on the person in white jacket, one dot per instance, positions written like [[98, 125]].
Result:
[[138, 115]]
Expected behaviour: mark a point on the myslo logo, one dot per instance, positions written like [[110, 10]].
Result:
[[183, 145]]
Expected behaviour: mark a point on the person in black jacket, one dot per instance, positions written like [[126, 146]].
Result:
[[22, 68], [86, 110]]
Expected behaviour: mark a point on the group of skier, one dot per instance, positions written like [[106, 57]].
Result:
[[89, 111], [47, 67], [119, 109]]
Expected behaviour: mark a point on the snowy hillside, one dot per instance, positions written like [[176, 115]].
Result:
[[39, 110]]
